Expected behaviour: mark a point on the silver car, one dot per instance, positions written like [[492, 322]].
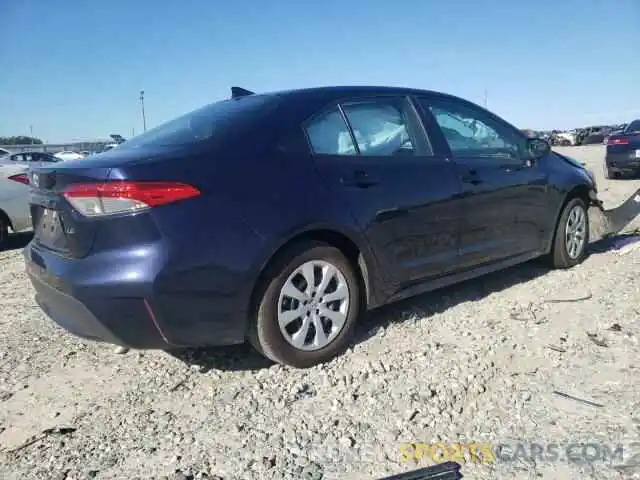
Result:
[[28, 159], [15, 215]]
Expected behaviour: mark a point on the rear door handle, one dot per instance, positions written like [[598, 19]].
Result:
[[472, 177], [360, 179]]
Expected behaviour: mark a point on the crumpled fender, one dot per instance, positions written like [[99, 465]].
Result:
[[605, 223]]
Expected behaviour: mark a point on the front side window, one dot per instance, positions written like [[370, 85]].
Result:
[[471, 132], [329, 135], [381, 127]]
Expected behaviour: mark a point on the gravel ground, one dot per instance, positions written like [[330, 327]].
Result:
[[478, 362]]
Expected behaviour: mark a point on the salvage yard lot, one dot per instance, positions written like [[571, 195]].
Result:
[[470, 363]]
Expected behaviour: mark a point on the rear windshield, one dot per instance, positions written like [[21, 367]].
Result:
[[201, 124], [633, 126]]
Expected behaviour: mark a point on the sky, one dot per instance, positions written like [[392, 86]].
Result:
[[73, 69]]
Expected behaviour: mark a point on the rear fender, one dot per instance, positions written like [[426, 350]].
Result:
[[375, 287]]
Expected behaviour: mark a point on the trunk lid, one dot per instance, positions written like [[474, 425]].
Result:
[[57, 225]]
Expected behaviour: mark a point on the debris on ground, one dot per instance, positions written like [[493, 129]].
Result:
[[580, 400], [556, 349], [525, 314], [595, 339], [588, 296], [42, 435]]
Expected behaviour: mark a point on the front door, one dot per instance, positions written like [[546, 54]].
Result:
[[375, 156], [504, 192]]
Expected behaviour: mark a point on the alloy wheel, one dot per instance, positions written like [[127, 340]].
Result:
[[313, 305], [575, 231]]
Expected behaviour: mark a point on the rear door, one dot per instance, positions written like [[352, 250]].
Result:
[[505, 193], [375, 156]]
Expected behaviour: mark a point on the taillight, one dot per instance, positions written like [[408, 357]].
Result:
[[20, 178], [96, 199], [618, 141]]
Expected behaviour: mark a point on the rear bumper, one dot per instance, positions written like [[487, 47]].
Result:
[[622, 162], [128, 299], [74, 317]]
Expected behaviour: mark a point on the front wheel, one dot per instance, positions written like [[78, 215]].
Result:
[[308, 308], [572, 235], [4, 233]]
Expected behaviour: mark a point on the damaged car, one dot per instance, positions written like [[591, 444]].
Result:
[[279, 218]]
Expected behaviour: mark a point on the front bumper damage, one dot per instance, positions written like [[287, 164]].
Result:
[[604, 223]]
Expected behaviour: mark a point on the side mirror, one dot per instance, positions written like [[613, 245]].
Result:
[[538, 147]]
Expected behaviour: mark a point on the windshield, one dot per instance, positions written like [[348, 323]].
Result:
[[199, 125], [633, 126]]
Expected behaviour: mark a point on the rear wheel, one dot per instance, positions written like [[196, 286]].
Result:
[[308, 306], [572, 235]]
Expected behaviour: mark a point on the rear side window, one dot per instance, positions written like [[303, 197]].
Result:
[[202, 124], [374, 127], [380, 127], [329, 134]]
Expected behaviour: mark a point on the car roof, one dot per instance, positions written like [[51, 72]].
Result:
[[349, 90], [300, 103]]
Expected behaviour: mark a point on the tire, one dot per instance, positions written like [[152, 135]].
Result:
[[4, 233], [265, 333], [561, 255]]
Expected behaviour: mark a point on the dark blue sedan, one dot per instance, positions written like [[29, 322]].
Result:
[[623, 151], [278, 218]]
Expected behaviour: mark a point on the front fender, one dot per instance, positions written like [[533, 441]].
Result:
[[568, 179]]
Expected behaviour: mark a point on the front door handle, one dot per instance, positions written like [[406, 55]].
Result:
[[472, 177], [360, 179]]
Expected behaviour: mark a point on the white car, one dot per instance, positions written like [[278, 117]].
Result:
[[15, 215], [68, 155], [29, 159], [568, 136]]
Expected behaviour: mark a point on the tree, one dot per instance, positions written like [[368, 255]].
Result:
[[20, 140]]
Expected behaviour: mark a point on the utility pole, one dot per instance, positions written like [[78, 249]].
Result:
[[31, 133], [144, 119], [485, 97]]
